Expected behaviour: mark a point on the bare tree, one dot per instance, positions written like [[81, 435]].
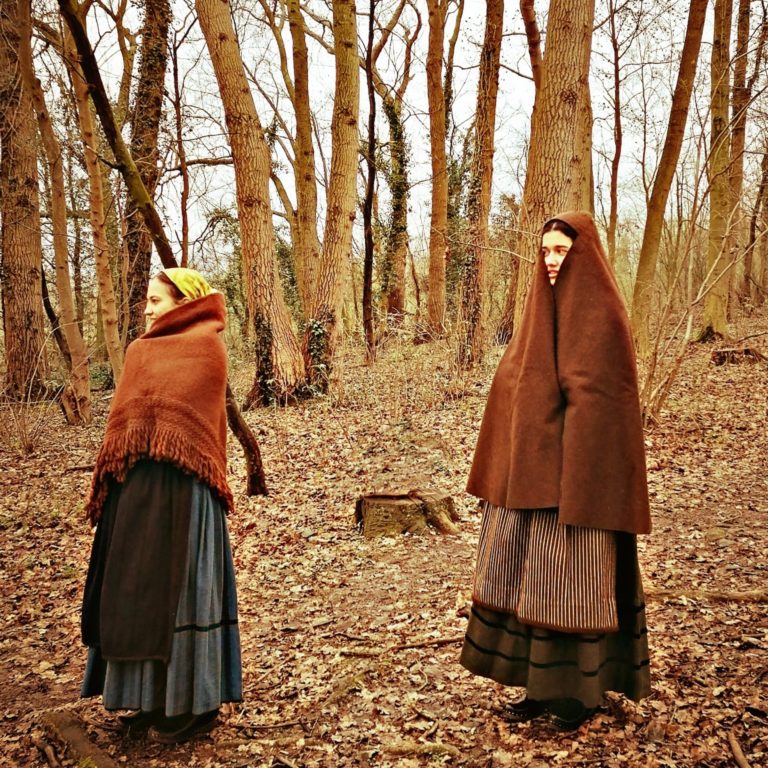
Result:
[[370, 182], [471, 326], [559, 170], [678, 116], [715, 319], [395, 246], [76, 396], [279, 365], [20, 244], [438, 225], [96, 209], [145, 128], [743, 88], [324, 312]]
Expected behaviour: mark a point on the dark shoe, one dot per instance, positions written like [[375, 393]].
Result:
[[141, 720], [569, 714], [177, 730], [524, 710]]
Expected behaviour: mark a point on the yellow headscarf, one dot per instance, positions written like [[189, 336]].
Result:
[[189, 281]]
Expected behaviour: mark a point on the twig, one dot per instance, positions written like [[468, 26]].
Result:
[[738, 755], [438, 641], [47, 750], [751, 596], [752, 336], [280, 760], [270, 726]]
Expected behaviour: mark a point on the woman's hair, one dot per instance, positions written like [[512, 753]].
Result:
[[175, 291], [555, 225]]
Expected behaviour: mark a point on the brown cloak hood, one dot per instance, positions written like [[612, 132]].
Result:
[[170, 402], [562, 425]]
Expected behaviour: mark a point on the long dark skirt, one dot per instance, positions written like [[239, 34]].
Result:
[[549, 663], [204, 668]]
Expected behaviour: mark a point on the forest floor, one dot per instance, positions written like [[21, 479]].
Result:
[[326, 616]]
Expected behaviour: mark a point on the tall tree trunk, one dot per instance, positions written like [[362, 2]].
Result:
[[471, 326], [279, 365], [618, 135], [181, 152], [756, 249], [96, 213], [20, 243], [438, 223], [742, 98], [559, 173], [306, 244], [715, 319], [370, 183], [395, 251], [678, 116], [324, 315], [78, 391], [145, 128], [533, 38]]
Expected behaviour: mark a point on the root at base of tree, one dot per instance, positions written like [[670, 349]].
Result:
[[738, 755]]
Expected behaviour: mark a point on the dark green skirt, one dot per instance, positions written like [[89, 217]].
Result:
[[525, 555], [558, 665]]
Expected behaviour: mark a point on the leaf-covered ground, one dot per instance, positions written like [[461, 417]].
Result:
[[350, 646]]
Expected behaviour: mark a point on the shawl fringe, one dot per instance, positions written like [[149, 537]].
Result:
[[170, 403]]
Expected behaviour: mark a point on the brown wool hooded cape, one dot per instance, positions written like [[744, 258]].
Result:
[[170, 402], [562, 426]]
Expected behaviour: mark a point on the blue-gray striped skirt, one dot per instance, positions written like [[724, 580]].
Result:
[[204, 669]]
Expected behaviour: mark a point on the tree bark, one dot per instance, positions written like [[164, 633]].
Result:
[[756, 268], [306, 245], [657, 204], [533, 37], [145, 128], [77, 360], [471, 326], [324, 316], [279, 365], [395, 251], [71, 12], [370, 163], [742, 98], [715, 319], [438, 221], [559, 173], [20, 243], [618, 135], [96, 213]]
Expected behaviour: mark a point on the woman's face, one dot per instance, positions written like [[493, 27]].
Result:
[[554, 248], [159, 301]]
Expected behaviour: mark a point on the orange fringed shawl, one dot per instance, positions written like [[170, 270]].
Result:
[[170, 402]]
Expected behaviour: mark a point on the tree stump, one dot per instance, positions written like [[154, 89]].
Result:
[[737, 355], [397, 512]]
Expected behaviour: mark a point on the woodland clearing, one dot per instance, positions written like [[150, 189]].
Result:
[[350, 646]]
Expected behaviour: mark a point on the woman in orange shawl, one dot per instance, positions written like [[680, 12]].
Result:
[[160, 608], [560, 467]]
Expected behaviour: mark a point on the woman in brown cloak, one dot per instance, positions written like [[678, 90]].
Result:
[[560, 467]]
